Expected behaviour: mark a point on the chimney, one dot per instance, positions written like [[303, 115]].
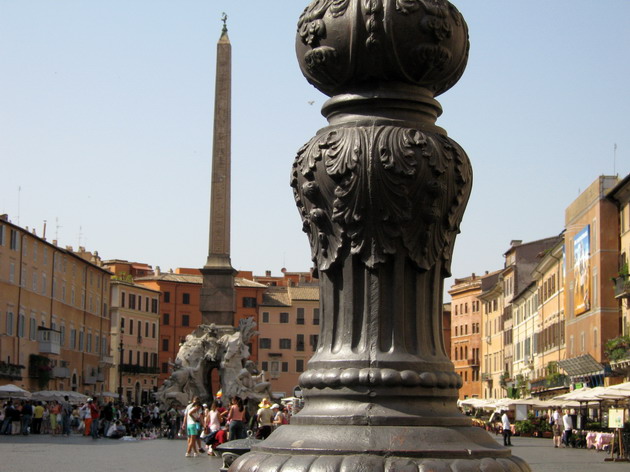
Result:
[[516, 242], [267, 273], [157, 270], [4, 217]]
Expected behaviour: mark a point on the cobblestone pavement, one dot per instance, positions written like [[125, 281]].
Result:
[[78, 454]]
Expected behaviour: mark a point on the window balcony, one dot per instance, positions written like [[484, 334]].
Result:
[[61, 372], [106, 361], [486, 377], [49, 340], [10, 371], [622, 286]]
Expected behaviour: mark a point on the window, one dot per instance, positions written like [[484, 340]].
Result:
[[299, 365], [132, 301], [300, 316], [62, 335], [1, 235], [154, 305], [165, 367], [145, 359], [265, 366], [265, 343], [166, 319], [32, 329], [13, 243], [146, 329], [165, 344], [299, 342], [186, 299], [185, 320], [285, 343], [81, 340], [20, 326], [285, 367], [9, 321], [130, 356], [154, 331], [313, 340], [146, 304], [122, 324], [73, 338], [249, 302], [167, 297], [139, 328], [265, 317], [315, 316], [284, 317], [130, 326], [88, 347]]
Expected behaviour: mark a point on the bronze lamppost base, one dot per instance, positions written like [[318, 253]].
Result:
[[379, 448]]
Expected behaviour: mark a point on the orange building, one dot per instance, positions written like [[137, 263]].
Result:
[[180, 313], [466, 334], [592, 259], [54, 315], [289, 334]]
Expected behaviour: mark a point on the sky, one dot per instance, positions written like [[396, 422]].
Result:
[[106, 118]]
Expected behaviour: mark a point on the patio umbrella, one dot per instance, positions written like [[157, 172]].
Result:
[[13, 391]]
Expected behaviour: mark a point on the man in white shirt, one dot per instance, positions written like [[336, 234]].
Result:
[[507, 429], [567, 421]]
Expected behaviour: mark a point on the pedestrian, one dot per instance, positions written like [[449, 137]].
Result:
[[8, 417], [66, 416], [556, 427], [567, 422], [38, 417], [236, 419], [193, 415], [95, 415], [507, 429], [86, 416], [27, 417], [280, 415], [264, 419], [54, 410]]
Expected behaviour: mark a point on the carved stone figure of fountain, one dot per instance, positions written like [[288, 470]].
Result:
[[381, 192]]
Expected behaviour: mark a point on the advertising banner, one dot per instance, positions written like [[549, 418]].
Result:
[[582, 270]]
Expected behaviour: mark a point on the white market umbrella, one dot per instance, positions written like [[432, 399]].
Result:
[[13, 391]]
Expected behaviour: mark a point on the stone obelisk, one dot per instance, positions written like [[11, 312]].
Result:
[[217, 292]]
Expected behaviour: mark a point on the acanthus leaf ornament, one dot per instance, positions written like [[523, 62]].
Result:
[[384, 181]]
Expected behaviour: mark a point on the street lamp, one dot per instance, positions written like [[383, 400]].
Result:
[[120, 363]]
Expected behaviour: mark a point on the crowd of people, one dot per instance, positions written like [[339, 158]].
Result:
[[215, 424], [205, 426], [106, 420]]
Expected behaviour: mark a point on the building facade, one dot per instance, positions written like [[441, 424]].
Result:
[[592, 259], [466, 334], [135, 338], [550, 325], [493, 371], [289, 334], [54, 315]]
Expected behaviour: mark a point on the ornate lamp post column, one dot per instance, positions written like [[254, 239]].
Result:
[[381, 192]]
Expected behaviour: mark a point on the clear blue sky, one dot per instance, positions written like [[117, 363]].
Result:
[[106, 123]]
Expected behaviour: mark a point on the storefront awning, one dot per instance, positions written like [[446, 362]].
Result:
[[581, 366]]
